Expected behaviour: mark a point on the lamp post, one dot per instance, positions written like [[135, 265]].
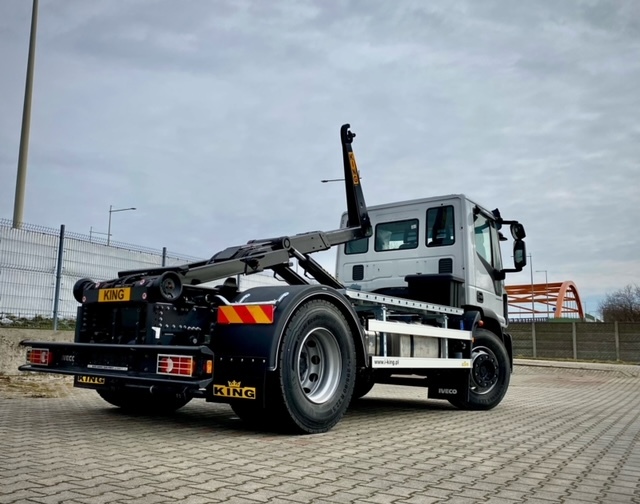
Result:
[[112, 210], [546, 288], [21, 178]]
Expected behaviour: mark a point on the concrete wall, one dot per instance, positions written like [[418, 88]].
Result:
[[615, 341], [12, 355]]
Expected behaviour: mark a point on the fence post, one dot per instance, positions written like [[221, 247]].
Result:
[[533, 339], [575, 341], [164, 256], [617, 337], [56, 298]]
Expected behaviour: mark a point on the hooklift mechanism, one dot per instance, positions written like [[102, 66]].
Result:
[[275, 253], [290, 355]]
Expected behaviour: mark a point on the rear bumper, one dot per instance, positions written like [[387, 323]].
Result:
[[96, 365]]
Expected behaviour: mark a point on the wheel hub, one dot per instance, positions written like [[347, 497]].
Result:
[[319, 365], [485, 370]]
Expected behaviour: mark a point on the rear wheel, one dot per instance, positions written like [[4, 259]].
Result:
[[141, 401], [316, 369], [490, 373]]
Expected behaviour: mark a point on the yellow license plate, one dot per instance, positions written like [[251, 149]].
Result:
[[114, 295]]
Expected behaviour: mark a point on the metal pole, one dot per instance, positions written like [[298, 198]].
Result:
[[21, 178], [109, 229], [533, 313], [56, 299], [164, 256], [546, 291], [533, 310]]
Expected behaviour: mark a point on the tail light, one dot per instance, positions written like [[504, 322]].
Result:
[[39, 356], [180, 365]]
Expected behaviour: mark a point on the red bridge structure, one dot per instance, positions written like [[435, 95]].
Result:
[[553, 300]]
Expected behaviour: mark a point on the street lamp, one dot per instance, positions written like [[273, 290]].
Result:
[[546, 288], [21, 178], [112, 210]]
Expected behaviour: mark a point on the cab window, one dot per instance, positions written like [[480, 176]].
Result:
[[360, 246], [396, 235], [482, 232], [440, 226]]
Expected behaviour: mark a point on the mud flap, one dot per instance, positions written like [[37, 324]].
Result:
[[450, 385], [508, 344], [238, 379]]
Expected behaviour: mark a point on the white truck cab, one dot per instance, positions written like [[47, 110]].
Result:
[[443, 250]]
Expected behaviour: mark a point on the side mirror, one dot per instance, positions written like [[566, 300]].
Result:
[[517, 231], [519, 254], [519, 260]]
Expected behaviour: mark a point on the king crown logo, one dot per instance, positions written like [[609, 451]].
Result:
[[234, 384]]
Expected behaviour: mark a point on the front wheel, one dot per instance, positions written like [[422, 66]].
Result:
[[316, 369], [490, 373], [143, 402]]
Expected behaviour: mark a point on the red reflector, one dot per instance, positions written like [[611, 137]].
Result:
[[40, 356], [246, 314], [175, 365]]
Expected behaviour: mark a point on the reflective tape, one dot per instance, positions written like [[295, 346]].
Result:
[[246, 314]]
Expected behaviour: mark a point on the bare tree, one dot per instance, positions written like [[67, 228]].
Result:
[[622, 305]]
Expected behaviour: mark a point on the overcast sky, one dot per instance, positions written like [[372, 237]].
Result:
[[218, 119]]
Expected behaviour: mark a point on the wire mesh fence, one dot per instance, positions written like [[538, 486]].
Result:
[[39, 267]]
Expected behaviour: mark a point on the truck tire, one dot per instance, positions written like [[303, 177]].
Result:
[[316, 369], [490, 373], [141, 401]]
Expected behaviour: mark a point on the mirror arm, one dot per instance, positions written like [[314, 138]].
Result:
[[510, 270]]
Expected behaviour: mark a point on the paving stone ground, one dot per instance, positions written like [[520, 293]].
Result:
[[562, 435]]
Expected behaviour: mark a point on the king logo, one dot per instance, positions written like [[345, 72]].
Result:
[[235, 390]]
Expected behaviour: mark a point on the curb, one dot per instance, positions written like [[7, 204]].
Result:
[[628, 369]]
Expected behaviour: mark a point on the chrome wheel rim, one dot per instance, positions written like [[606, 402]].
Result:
[[319, 368]]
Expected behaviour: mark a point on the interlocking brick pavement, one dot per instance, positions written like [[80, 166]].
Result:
[[562, 435]]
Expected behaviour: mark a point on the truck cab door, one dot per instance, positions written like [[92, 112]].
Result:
[[488, 263]]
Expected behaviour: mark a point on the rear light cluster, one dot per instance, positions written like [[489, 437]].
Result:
[[180, 365], [39, 356]]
